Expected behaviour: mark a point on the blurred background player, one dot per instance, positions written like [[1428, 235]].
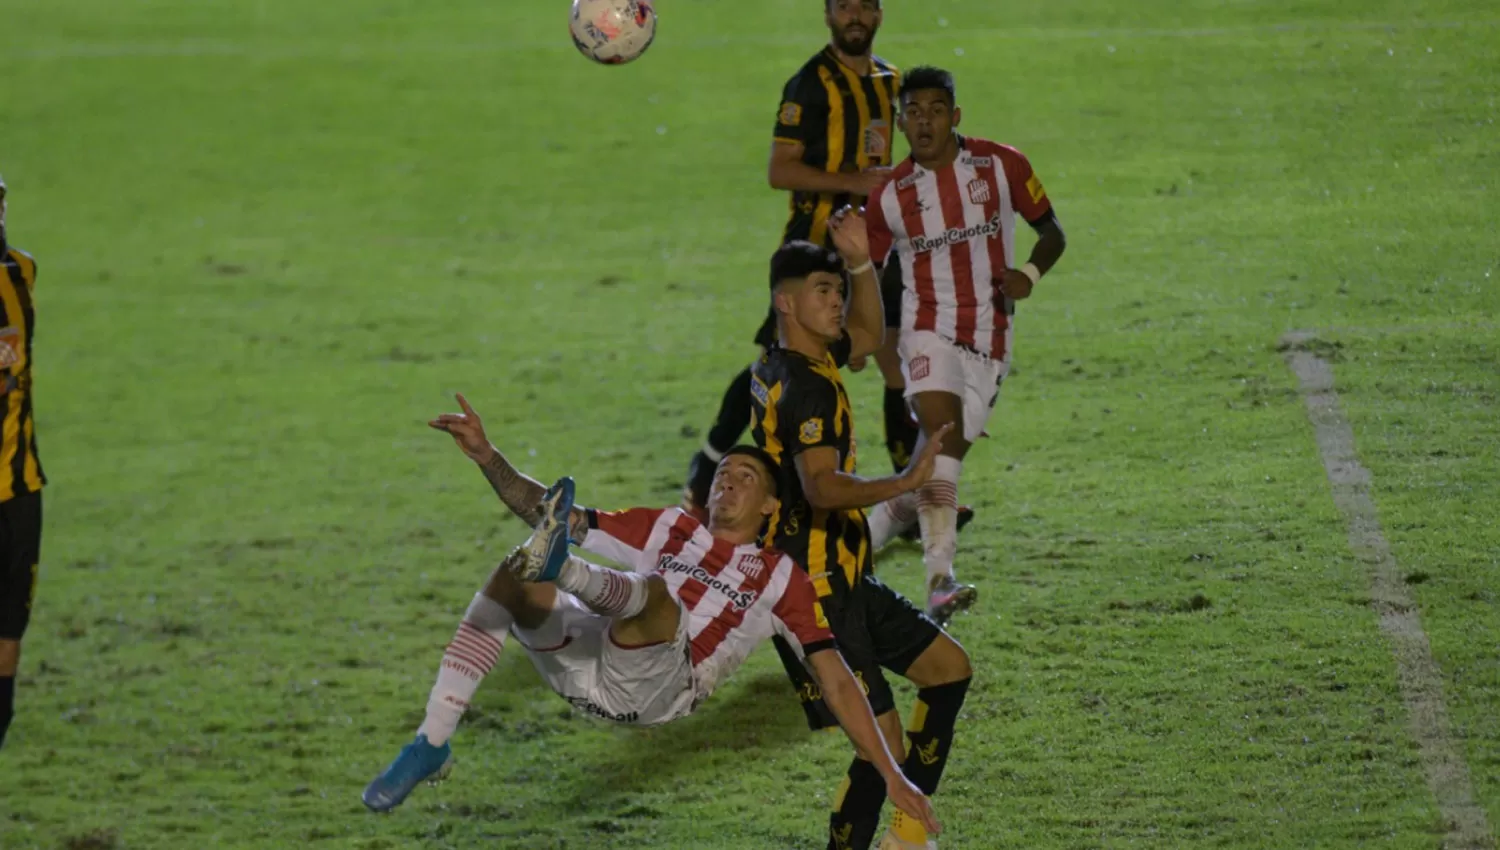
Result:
[[949, 211], [643, 647], [21, 477], [832, 147], [803, 419]]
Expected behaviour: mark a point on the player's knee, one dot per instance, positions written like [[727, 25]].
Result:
[[943, 663]]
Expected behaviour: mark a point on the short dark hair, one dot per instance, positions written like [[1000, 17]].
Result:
[[763, 457], [800, 258], [925, 77]]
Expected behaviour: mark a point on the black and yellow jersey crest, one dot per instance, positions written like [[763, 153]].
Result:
[[797, 404], [844, 121], [20, 468]]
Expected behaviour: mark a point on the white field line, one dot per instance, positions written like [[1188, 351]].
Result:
[[1420, 679]]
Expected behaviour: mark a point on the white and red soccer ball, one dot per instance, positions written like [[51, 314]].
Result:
[[612, 32]]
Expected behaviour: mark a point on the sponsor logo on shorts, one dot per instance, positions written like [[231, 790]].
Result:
[[920, 367], [740, 599], [591, 707]]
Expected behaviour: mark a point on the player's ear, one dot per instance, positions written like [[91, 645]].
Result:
[[958, 115], [769, 506]]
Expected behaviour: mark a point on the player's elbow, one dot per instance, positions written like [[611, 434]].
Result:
[[816, 489], [777, 177]]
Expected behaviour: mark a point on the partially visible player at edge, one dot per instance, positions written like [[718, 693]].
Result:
[[949, 210], [802, 417], [21, 477], [644, 647], [831, 148]]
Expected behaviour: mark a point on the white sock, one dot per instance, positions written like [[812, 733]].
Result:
[[604, 590], [937, 511], [470, 655], [890, 518]]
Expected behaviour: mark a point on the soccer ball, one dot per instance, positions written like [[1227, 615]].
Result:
[[612, 32]]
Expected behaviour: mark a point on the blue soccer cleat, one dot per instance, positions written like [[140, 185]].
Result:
[[418, 760], [543, 554]]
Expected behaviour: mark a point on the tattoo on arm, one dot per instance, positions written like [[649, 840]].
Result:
[[523, 495], [519, 493]]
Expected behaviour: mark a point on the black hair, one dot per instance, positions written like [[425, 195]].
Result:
[[924, 77], [762, 457], [800, 258]]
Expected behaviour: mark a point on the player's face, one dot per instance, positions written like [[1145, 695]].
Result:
[[818, 305], [853, 24], [742, 490], [927, 120]]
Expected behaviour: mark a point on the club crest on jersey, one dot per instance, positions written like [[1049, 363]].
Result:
[[811, 431], [979, 191], [790, 115], [751, 565]]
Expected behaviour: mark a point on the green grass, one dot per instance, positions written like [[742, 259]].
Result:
[[274, 237]]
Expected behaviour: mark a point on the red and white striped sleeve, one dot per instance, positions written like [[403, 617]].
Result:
[[621, 535], [798, 612]]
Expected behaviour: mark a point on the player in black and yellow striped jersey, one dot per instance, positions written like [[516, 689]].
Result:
[[21, 476], [802, 417], [831, 147]]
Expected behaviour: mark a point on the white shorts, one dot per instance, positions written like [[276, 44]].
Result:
[[933, 364], [575, 653]]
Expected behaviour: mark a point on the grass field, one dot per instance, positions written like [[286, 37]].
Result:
[[275, 236]]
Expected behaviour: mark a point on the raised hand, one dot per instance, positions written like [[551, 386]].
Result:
[[919, 471], [467, 431], [850, 238]]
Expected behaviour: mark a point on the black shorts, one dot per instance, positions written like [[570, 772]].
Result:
[[890, 297], [20, 547], [876, 628]]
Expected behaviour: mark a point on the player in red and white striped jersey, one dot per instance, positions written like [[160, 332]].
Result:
[[948, 212], [644, 646]]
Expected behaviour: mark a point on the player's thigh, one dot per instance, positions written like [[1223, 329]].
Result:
[[529, 603], [20, 554], [943, 661], [849, 620], [648, 683], [888, 358], [935, 377], [901, 632], [981, 393]]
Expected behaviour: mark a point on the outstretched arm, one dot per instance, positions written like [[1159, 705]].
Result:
[[520, 492], [847, 700], [829, 488]]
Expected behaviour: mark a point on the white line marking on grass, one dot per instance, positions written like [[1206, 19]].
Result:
[[1420, 679], [210, 47]]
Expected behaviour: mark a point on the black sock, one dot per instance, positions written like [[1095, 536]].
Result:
[[733, 418], [7, 704], [931, 733], [856, 810], [900, 429]]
